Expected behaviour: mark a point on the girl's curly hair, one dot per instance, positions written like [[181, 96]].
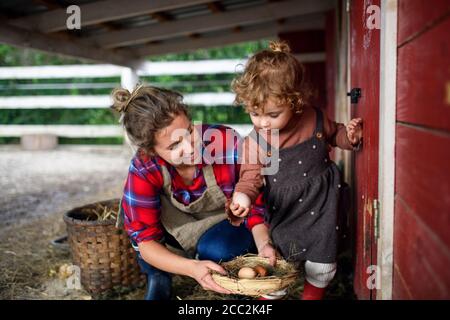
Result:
[[273, 73]]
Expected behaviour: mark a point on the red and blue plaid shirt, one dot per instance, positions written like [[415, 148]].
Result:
[[141, 199]]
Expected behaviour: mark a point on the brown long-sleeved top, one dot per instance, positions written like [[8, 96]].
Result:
[[299, 128]]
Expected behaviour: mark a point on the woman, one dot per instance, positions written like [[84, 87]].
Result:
[[174, 198]]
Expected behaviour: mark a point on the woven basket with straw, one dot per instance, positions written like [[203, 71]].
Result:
[[279, 277], [104, 254]]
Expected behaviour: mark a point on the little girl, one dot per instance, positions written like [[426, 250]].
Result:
[[302, 197]]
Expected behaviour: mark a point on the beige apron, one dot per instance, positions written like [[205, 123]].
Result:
[[186, 223]]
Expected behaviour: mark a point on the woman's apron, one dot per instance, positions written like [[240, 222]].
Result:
[[187, 223]]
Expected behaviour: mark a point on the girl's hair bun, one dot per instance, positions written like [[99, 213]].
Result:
[[279, 46]]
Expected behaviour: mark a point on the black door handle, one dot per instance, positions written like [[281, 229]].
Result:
[[354, 95]]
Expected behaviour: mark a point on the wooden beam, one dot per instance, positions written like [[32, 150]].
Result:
[[270, 30], [161, 16], [51, 5], [100, 11], [216, 7], [212, 22], [30, 39]]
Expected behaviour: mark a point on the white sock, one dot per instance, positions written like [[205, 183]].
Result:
[[276, 295], [319, 274]]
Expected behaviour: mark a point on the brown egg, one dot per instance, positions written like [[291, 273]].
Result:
[[246, 273], [260, 271]]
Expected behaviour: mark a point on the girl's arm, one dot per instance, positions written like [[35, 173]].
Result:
[[262, 240], [337, 134], [250, 179]]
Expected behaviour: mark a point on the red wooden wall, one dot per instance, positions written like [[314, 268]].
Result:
[[310, 41], [422, 199], [330, 62], [319, 74]]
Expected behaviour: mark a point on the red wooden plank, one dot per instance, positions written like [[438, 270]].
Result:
[[330, 67], [330, 45], [415, 15], [400, 290], [365, 71], [423, 176], [315, 75], [305, 41], [423, 80], [420, 259]]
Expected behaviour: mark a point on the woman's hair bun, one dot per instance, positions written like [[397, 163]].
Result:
[[279, 46], [121, 97]]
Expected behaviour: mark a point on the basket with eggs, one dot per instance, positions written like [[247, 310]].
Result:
[[252, 275]]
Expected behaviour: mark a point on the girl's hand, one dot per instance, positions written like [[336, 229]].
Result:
[[240, 205], [235, 221], [267, 251], [238, 211], [354, 130], [200, 271]]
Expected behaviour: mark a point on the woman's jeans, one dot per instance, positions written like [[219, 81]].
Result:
[[222, 242]]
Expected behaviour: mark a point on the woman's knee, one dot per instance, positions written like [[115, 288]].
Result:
[[159, 283], [223, 242]]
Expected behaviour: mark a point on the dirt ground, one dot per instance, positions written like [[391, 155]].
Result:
[[37, 187]]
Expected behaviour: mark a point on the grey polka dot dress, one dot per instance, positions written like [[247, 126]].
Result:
[[302, 200]]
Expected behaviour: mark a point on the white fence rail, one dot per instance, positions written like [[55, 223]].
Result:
[[84, 131], [209, 99], [109, 70]]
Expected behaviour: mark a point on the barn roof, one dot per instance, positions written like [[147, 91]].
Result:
[[124, 32]]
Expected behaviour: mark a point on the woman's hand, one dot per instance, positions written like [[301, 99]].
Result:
[[267, 251], [200, 271], [354, 131]]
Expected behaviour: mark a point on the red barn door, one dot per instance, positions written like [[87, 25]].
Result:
[[364, 48]]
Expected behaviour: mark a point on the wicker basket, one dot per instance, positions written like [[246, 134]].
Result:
[[104, 253], [282, 276]]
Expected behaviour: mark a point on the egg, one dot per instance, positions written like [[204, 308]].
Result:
[[260, 271], [246, 273]]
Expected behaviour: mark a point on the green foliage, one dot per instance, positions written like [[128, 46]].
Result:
[[13, 56], [235, 51], [219, 114], [57, 116]]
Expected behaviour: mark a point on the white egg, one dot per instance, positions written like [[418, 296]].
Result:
[[246, 273]]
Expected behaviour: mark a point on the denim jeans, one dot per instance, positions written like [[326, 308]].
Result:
[[222, 242]]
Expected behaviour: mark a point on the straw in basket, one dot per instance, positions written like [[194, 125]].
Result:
[[279, 277]]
